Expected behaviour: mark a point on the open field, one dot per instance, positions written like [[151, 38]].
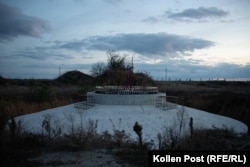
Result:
[[19, 97]]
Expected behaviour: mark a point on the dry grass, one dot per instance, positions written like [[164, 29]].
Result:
[[23, 107], [214, 140], [231, 99], [18, 99]]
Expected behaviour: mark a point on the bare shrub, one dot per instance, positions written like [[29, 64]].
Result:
[[46, 124], [71, 119], [81, 135], [57, 128], [120, 137], [80, 128], [211, 139], [92, 127], [91, 136], [106, 137], [52, 126], [172, 136], [170, 139], [181, 119], [16, 128]]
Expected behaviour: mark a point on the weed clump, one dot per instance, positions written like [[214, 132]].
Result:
[[138, 130]]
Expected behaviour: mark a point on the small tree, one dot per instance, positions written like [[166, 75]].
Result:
[[115, 62], [115, 72], [98, 69]]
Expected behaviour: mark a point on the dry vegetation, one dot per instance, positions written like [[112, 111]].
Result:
[[225, 98]]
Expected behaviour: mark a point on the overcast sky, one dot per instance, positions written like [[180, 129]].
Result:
[[173, 39]]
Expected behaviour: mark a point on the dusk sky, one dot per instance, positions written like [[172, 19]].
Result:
[[208, 39]]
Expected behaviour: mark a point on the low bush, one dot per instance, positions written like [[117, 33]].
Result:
[[40, 93]]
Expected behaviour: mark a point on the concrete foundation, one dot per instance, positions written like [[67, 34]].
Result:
[[124, 99]]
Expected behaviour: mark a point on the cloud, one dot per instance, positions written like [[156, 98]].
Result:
[[160, 44], [203, 14], [72, 45], [152, 20], [198, 14], [185, 70], [113, 2], [14, 23], [38, 54]]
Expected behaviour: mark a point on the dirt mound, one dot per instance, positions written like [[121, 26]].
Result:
[[74, 77], [143, 79]]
